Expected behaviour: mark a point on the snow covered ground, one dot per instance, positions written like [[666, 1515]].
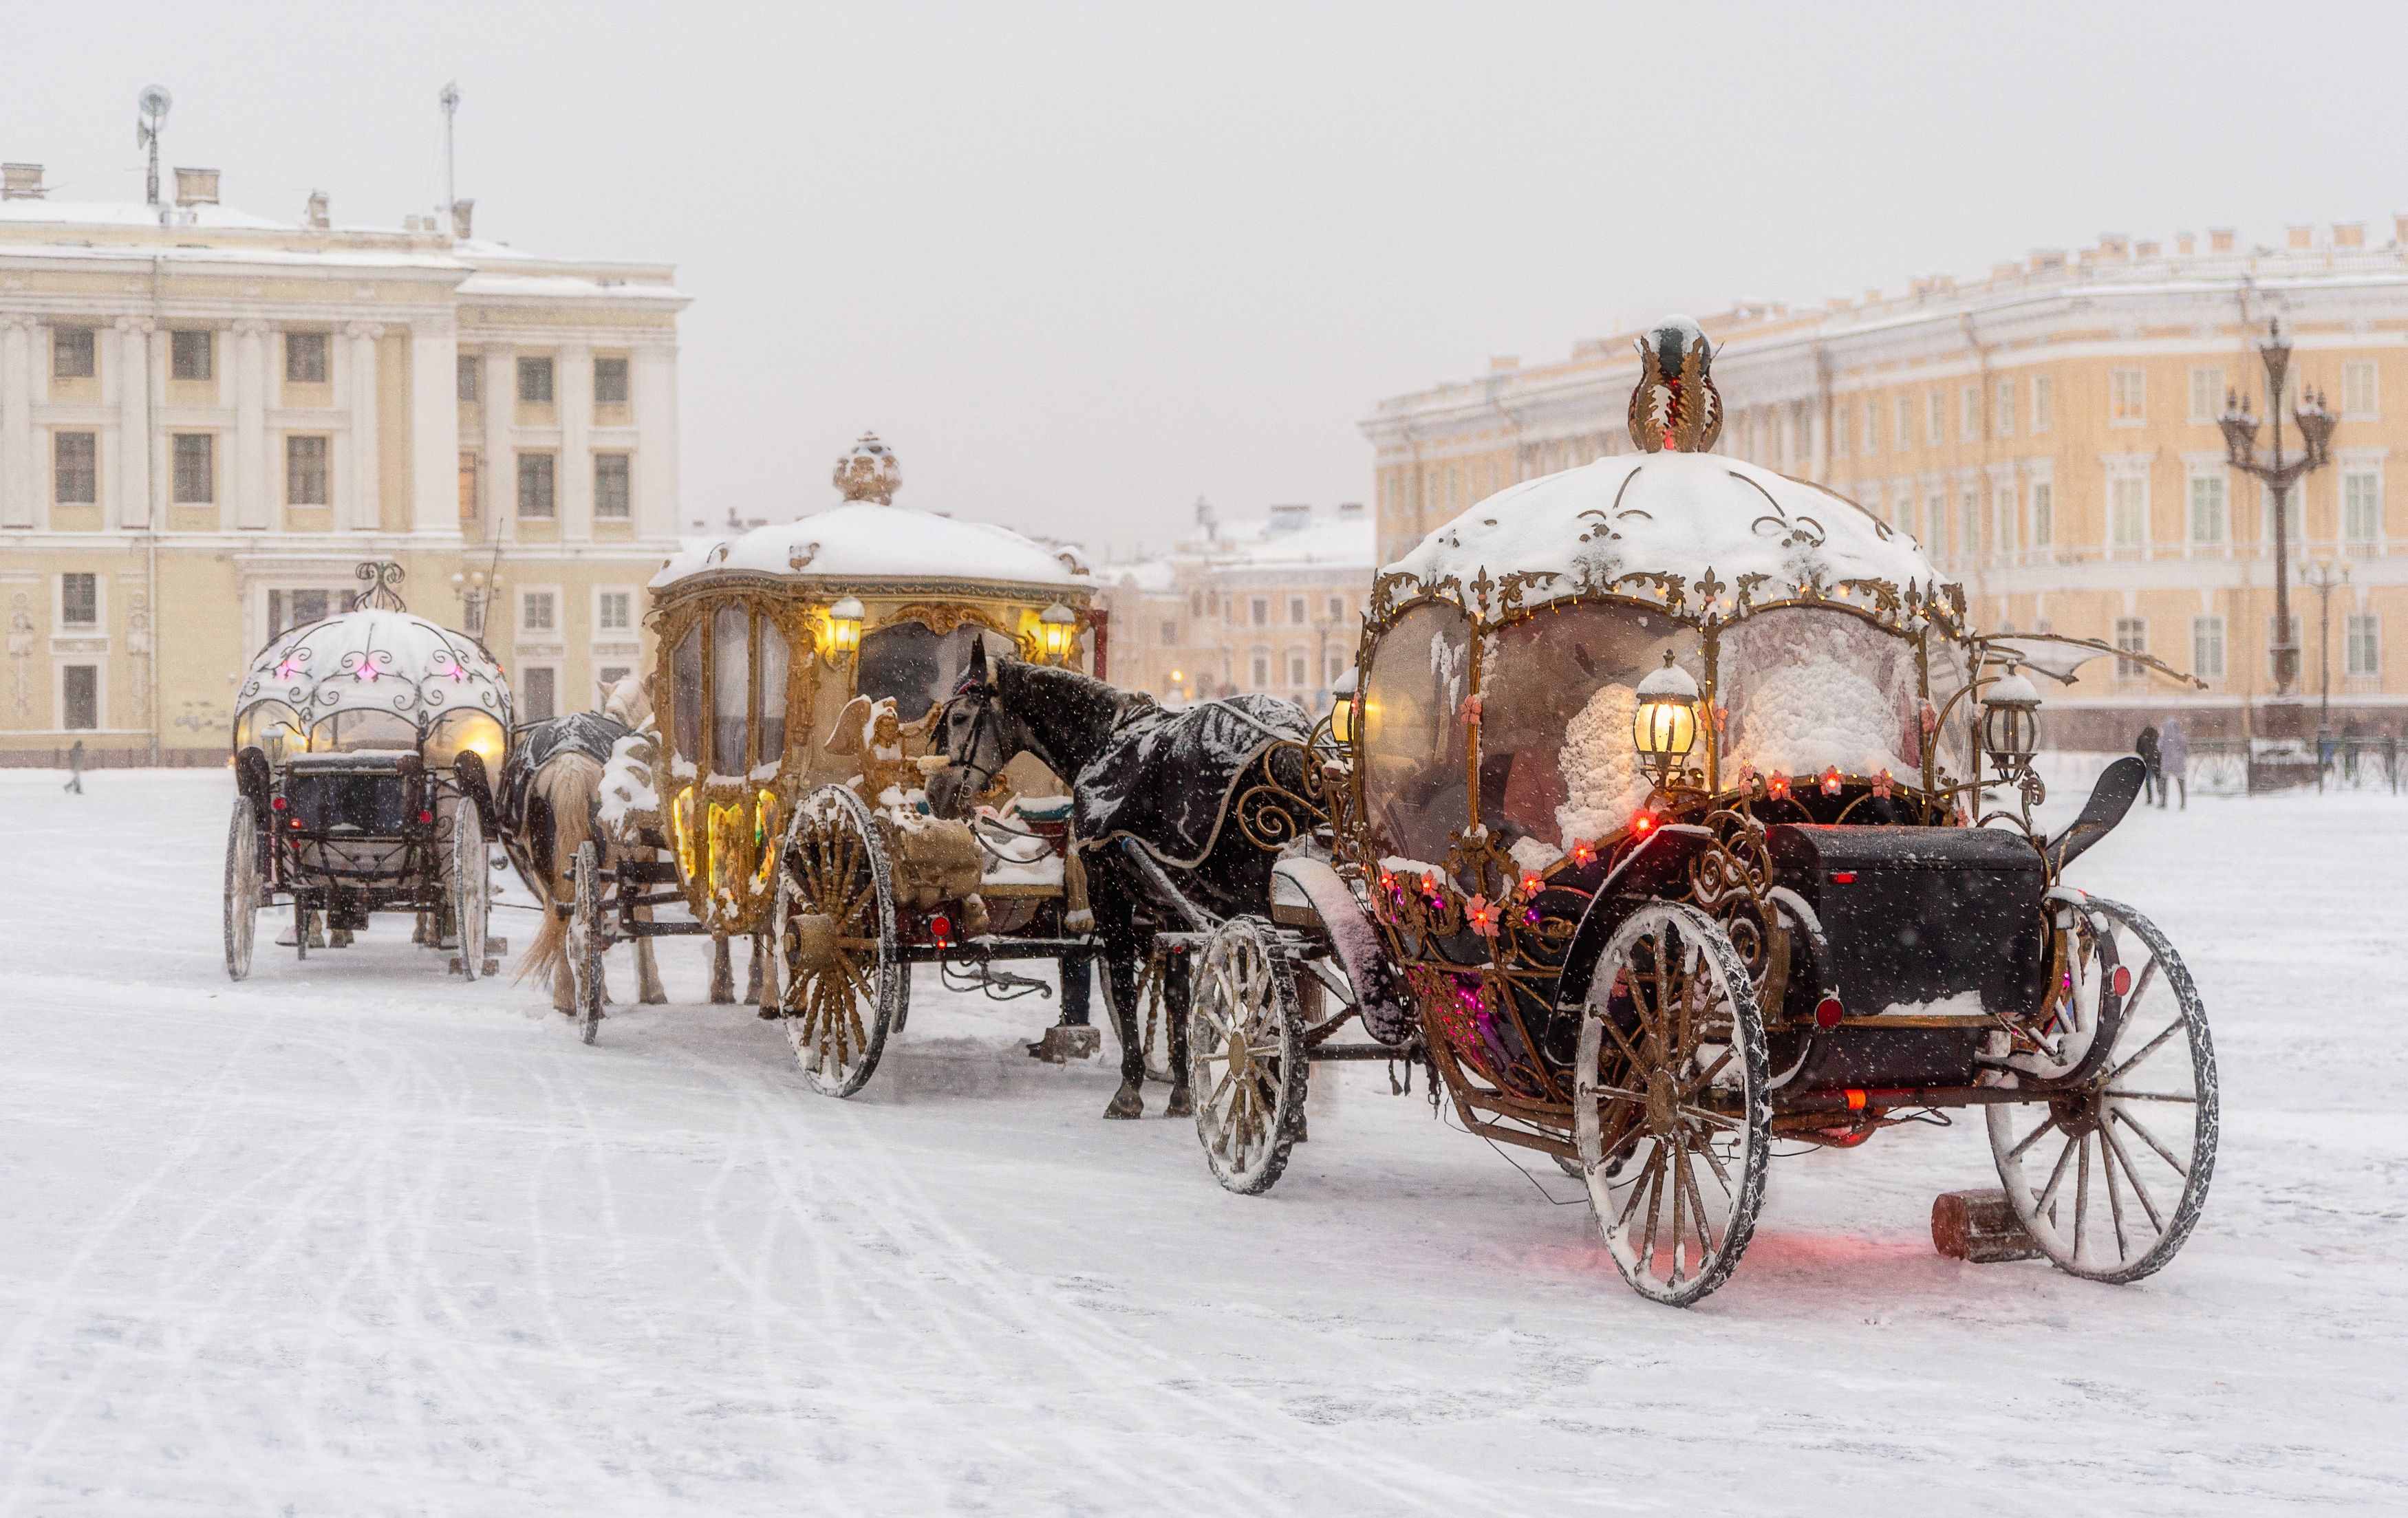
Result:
[[352, 1238]]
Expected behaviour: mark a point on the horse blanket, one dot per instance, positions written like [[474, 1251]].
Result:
[[1166, 778], [583, 732]]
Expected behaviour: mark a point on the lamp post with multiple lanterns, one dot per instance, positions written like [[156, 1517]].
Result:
[[2315, 423]]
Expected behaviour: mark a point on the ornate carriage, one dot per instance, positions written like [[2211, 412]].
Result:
[[1679, 810], [797, 672], [362, 747]]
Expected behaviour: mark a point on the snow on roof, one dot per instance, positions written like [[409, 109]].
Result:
[[1671, 514], [376, 660], [1348, 539], [866, 540], [134, 214]]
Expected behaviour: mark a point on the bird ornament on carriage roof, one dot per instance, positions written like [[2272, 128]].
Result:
[[1675, 408]]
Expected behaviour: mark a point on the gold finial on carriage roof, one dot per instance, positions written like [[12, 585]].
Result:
[[869, 472], [1676, 408]]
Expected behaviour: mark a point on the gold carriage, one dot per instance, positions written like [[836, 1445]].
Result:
[[799, 670], [1679, 808]]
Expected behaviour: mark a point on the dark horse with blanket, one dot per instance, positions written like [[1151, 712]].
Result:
[[1153, 793]]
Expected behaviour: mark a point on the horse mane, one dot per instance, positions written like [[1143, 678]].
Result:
[[1060, 705]]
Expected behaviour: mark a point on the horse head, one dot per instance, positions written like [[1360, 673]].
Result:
[[977, 735], [629, 701]]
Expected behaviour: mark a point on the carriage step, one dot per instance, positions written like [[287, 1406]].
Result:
[[1066, 1041], [1979, 1227]]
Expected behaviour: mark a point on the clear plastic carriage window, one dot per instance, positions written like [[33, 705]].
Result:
[[273, 728], [903, 661], [685, 695], [1558, 690], [731, 686], [1416, 789], [460, 732], [359, 732], [1813, 689], [773, 690]]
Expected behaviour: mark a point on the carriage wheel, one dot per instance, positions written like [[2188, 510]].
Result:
[[841, 981], [2108, 1177], [245, 887], [472, 888], [1245, 1056], [1670, 1108]]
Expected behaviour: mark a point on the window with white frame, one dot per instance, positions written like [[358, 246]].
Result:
[[1905, 432], [1969, 414], [79, 698], [1935, 520], [538, 611], [2002, 506], [614, 612], [1295, 610], [2206, 391], [2362, 633], [1935, 418], [1299, 669], [2127, 512], [78, 600], [2002, 418], [1336, 606], [1170, 634], [2044, 404], [1842, 428], [296, 607], [538, 689], [1260, 667], [2207, 648], [1333, 669], [2361, 505], [2208, 526], [608, 676], [2361, 396], [2294, 514], [1873, 427], [1968, 513], [2131, 637], [2043, 513], [2127, 398], [1259, 610]]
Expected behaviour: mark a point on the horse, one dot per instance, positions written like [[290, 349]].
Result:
[[550, 789], [1093, 734]]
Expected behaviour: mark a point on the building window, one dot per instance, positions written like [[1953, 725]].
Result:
[[79, 692], [2207, 511], [304, 358], [1873, 427], [1935, 518], [538, 613], [1906, 422], [1212, 602], [2295, 511], [2361, 505], [2044, 406], [1333, 669], [1196, 605], [75, 467], [2363, 633], [538, 692], [191, 355], [611, 486], [1170, 634], [79, 600], [611, 675], [534, 485], [1843, 426], [1969, 413], [614, 612], [2004, 418], [1295, 610], [2207, 647], [2126, 398], [2044, 528], [464, 381], [471, 487], [1299, 669], [2128, 513], [1260, 666], [535, 381], [1336, 607], [295, 608], [72, 355], [2361, 399], [2131, 637], [1935, 418], [195, 470], [1968, 517], [1260, 611], [2206, 392], [304, 472], [610, 382]]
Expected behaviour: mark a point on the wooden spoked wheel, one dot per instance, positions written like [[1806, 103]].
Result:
[[1245, 1056], [472, 886], [841, 981], [1670, 1110], [245, 887], [2109, 1176], [586, 937]]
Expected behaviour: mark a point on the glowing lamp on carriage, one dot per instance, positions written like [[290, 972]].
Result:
[[1341, 710], [1057, 633], [844, 621], [1663, 728], [2010, 722]]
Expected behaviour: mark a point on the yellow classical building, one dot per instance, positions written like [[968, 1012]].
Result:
[[209, 418], [2049, 433]]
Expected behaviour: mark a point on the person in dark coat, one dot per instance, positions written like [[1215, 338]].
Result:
[[74, 768], [2146, 747]]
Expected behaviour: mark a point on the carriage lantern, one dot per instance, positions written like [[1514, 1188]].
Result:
[[2010, 722], [1341, 710], [844, 630], [1665, 726], [1057, 633]]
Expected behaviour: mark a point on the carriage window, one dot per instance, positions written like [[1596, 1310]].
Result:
[[461, 731], [773, 692], [685, 695], [272, 727], [1558, 693], [903, 660], [1414, 784], [1810, 690], [731, 686], [356, 731]]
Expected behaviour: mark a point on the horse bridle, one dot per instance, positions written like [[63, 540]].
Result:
[[978, 727]]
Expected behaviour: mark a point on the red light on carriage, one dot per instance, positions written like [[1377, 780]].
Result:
[[1642, 822], [1827, 1013], [276, 804], [1844, 877], [941, 927], [1855, 1101], [296, 824], [426, 816], [2123, 981]]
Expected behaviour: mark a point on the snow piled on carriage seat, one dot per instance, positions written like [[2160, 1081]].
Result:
[[1670, 513], [1805, 718], [864, 540], [1603, 782]]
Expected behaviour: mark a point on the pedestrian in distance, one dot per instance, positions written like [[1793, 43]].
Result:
[[2173, 762], [2153, 757], [74, 768]]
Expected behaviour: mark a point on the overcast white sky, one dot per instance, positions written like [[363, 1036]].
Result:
[[1083, 263]]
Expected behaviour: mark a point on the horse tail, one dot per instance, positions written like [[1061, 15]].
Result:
[[565, 790]]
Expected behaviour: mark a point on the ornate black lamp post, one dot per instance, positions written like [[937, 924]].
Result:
[[2240, 425]]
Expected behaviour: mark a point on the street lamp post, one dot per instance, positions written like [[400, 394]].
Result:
[[2323, 576], [2240, 425]]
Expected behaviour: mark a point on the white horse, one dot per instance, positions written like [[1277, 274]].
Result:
[[562, 796]]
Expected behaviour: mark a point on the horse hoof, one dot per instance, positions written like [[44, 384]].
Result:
[[1125, 1103], [1182, 1104]]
